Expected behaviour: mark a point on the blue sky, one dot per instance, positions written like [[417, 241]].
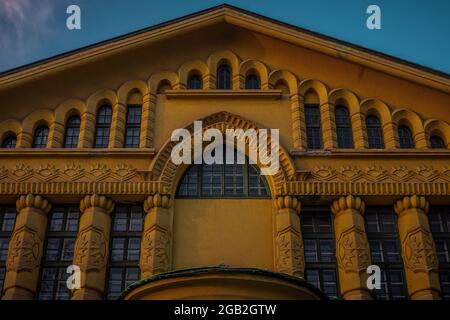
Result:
[[413, 30]]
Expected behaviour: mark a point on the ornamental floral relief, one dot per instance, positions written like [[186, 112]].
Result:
[[290, 258], [91, 249], [24, 250], [352, 250], [155, 251], [419, 253]]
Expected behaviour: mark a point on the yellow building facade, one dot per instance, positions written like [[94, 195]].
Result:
[[86, 176]]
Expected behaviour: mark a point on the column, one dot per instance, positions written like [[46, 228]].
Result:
[[26, 248], [418, 249], [298, 121], [390, 136], [24, 139], [148, 121], [56, 135], [156, 240], [116, 140], [328, 125], [359, 130], [92, 246], [352, 247], [87, 130], [289, 243]]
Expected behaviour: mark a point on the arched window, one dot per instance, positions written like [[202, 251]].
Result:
[[9, 142], [313, 128], [40, 137], [224, 76], [133, 127], [343, 127], [223, 180], [103, 126], [72, 132], [405, 137], [195, 82], [437, 142], [374, 134], [252, 82]]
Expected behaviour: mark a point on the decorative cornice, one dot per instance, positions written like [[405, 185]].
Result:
[[413, 202], [364, 153], [234, 94], [288, 202], [348, 202], [33, 201], [82, 152], [96, 201], [155, 201]]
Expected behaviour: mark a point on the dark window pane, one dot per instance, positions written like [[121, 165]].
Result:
[[9, 142], [252, 82], [72, 132], [313, 128], [343, 127], [405, 137], [40, 137], [374, 133], [224, 77], [195, 82], [436, 142], [104, 117]]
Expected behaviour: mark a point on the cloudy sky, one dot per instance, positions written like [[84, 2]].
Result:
[[414, 30]]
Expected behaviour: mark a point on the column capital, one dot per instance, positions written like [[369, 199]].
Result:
[[288, 202], [156, 201], [346, 203], [33, 201], [96, 201], [412, 202]]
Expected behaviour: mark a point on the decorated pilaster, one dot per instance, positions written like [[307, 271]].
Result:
[[116, 140], [352, 247], [25, 248], [156, 238], [56, 135], [91, 246], [418, 249], [328, 125], [359, 129], [298, 121], [87, 130], [24, 140], [148, 120], [289, 243]]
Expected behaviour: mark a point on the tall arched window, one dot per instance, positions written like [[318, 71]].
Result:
[[103, 126], [252, 82], [437, 142], [133, 126], [72, 132], [405, 137], [343, 127], [195, 81], [313, 128], [9, 142], [40, 137], [224, 76], [374, 133], [223, 180]]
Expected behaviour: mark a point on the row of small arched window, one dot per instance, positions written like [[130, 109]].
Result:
[[344, 131], [224, 76], [102, 130]]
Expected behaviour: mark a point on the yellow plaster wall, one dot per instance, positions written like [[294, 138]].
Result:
[[235, 232]]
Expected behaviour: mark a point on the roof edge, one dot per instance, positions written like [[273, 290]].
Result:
[[246, 19]]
